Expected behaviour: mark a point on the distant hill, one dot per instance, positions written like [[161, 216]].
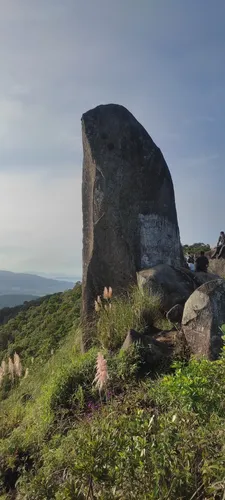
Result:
[[57, 276], [30, 284], [15, 299]]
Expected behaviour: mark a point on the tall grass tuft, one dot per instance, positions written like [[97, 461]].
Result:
[[4, 367], [3, 371], [17, 365], [137, 310], [101, 376], [11, 369]]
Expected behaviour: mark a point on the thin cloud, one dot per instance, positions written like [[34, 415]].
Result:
[[42, 222], [162, 60]]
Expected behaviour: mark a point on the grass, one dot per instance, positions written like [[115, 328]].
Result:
[[152, 440], [144, 438], [137, 311]]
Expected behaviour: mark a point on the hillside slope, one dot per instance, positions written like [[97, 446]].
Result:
[[147, 435], [38, 327]]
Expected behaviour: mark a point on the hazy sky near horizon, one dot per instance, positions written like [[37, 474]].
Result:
[[162, 59]]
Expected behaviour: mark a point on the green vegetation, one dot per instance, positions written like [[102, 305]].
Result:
[[137, 310], [196, 248], [40, 327], [152, 436]]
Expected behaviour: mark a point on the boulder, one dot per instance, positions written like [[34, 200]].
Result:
[[129, 212], [200, 278], [175, 313], [173, 285], [204, 313]]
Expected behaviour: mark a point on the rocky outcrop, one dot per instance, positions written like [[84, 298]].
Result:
[[129, 213], [200, 278], [204, 313], [173, 285]]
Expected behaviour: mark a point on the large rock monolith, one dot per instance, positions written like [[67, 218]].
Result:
[[204, 314], [129, 213]]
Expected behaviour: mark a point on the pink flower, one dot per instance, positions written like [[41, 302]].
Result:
[[101, 376], [107, 293]]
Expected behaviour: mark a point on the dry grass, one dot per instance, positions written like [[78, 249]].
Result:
[[217, 266], [12, 370]]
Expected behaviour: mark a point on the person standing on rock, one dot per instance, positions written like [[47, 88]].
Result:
[[191, 262], [220, 246], [201, 263]]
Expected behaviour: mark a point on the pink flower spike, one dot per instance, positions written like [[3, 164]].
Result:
[[97, 306], [101, 376]]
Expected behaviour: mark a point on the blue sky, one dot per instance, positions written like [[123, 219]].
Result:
[[162, 59]]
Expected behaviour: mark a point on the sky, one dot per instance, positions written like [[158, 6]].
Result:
[[162, 59]]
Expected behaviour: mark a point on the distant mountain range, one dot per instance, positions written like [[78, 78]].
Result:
[[15, 288], [57, 276]]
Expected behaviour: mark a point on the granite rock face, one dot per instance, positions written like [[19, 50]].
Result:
[[204, 314], [173, 285], [129, 212]]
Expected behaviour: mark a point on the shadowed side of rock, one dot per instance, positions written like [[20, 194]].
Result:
[[173, 285], [129, 212]]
